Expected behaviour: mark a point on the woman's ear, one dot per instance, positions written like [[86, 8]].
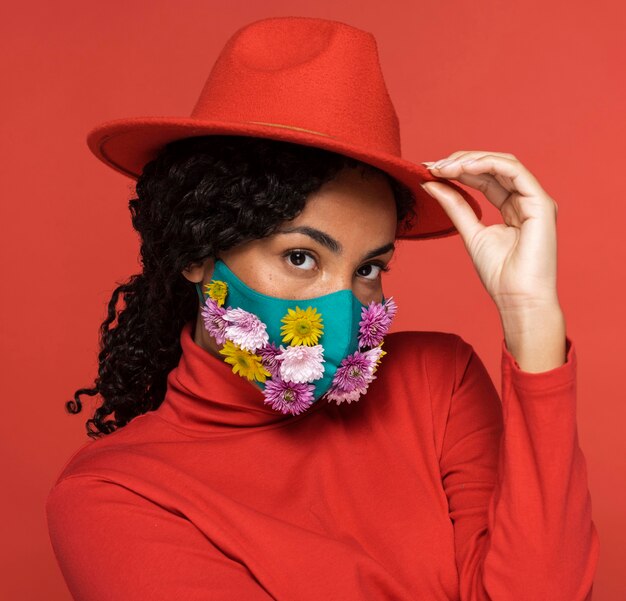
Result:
[[200, 272]]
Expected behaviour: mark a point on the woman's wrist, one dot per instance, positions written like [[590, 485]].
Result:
[[536, 338]]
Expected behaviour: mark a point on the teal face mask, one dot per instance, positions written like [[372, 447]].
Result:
[[296, 351]]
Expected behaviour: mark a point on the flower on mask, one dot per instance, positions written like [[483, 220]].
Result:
[[288, 397], [245, 363], [301, 363], [217, 290], [375, 355], [269, 355], [340, 396], [302, 326], [213, 316], [374, 324], [245, 329], [391, 306], [352, 377]]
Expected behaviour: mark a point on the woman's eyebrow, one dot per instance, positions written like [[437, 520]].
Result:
[[329, 242], [381, 250]]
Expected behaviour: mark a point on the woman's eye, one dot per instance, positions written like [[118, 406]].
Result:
[[305, 261], [298, 258], [371, 271]]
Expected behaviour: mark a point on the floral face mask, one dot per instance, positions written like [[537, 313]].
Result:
[[296, 351]]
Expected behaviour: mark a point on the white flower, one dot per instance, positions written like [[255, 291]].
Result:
[[246, 330], [373, 356], [301, 363]]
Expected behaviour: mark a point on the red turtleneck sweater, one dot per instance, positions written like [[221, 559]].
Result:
[[429, 487]]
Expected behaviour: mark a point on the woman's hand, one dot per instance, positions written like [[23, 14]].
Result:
[[515, 260]]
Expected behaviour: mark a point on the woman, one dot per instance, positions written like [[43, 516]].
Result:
[[271, 438]]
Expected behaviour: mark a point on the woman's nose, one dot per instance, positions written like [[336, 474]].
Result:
[[335, 283]]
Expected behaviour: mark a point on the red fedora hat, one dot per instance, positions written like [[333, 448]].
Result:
[[304, 80]]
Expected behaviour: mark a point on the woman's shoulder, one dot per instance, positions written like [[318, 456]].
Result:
[[102, 466], [114, 449]]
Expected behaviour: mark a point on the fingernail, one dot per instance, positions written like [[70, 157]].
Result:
[[443, 163]]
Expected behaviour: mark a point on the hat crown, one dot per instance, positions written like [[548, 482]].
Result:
[[319, 76], [302, 80]]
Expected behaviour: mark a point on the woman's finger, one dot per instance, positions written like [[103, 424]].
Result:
[[459, 153], [510, 175], [457, 209], [487, 183]]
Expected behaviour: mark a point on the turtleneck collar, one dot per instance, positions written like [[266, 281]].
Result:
[[203, 394]]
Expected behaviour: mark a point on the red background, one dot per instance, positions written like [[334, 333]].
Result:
[[542, 80]]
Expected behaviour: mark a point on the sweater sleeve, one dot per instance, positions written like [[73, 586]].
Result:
[[516, 482], [112, 543]]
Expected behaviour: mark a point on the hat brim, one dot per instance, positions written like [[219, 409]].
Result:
[[126, 145]]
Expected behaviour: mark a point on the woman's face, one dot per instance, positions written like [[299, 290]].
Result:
[[343, 239]]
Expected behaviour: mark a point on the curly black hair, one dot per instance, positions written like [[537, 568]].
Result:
[[199, 196]]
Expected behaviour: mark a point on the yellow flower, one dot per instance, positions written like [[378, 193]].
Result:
[[382, 354], [217, 290], [245, 363], [302, 326]]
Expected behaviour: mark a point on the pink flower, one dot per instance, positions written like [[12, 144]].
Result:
[[213, 317], [245, 329], [392, 307], [269, 357], [373, 355], [339, 397], [354, 376], [288, 397], [301, 363], [375, 321], [355, 372]]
